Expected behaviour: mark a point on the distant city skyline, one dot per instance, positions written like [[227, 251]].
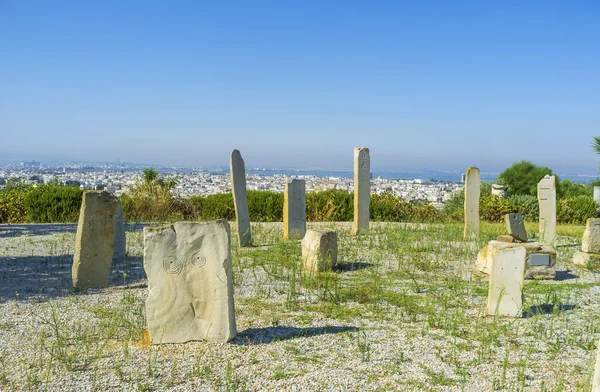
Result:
[[425, 85]]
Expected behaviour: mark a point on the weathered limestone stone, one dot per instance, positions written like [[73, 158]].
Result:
[[506, 238], [240, 199], [588, 260], [596, 381], [294, 209], [597, 194], [472, 193], [591, 237], [94, 241], [485, 258], [499, 190], [547, 202], [120, 239], [515, 226], [362, 190], [506, 283], [319, 250], [190, 286]]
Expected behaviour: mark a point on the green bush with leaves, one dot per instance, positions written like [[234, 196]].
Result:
[[12, 204], [576, 210], [53, 204], [522, 178], [527, 205], [493, 208], [265, 206], [333, 205]]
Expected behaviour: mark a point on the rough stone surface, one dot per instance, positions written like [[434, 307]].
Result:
[[499, 190], [120, 238], [515, 226], [506, 283], [597, 194], [590, 242], [506, 238], [319, 250], [485, 258], [362, 189], [547, 203], [596, 381], [294, 209], [94, 240], [190, 287], [472, 193], [240, 199], [589, 260]]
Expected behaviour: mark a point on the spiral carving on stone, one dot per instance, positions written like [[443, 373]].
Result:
[[172, 265]]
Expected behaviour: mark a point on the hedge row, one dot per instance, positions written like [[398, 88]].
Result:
[[55, 203]]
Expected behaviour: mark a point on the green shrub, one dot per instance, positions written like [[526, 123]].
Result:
[[53, 204], [576, 210], [527, 205], [522, 178], [333, 205], [265, 206], [217, 206], [493, 208], [12, 204]]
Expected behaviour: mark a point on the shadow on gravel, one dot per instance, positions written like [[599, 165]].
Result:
[[346, 267], [565, 275], [43, 277], [273, 334], [547, 309]]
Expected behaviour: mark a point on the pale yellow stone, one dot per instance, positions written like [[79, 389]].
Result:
[[590, 242], [472, 193], [319, 251], [94, 240], [506, 283], [588, 260], [485, 258], [547, 203]]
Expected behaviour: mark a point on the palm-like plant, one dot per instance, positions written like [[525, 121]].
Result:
[[596, 144]]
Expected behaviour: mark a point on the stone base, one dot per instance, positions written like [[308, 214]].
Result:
[[485, 258], [589, 260]]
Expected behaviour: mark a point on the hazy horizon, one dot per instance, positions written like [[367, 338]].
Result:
[[425, 85]]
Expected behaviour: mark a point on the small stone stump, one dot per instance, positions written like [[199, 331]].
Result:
[[190, 287], [294, 209], [506, 283], [590, 245], [94, 240], [319, 251]]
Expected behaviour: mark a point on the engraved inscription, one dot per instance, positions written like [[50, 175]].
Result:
[[172, 265]]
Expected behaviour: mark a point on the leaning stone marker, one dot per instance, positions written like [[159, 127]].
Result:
[[190, 287], [240, 199], [515, 226], [319, 250], [94, 241], [294, 209], [120, 239], [506, 283], [362, 189], [547, 202], [472, 193]]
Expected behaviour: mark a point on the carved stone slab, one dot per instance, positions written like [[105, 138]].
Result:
[[240, 199], [294, 209], [547, 202], [190, 287], [506, 283]]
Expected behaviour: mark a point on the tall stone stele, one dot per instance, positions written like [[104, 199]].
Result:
[[94, 241], [190, 286], [472, 193], [120, 238], [547, 203], [240, 199], [294, 209], [362, 190]]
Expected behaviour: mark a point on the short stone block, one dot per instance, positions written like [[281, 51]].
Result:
[[590, 242], [485, 258], [588, 260], [319, 250], [506, 283], [190, 286]]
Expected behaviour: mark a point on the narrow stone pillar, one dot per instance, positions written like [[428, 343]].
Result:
[[120, 238], [94, 240], [472, 193], [190, 282], [240, 199], [362, 190], [547, 203], [506, 283], [294, 209]]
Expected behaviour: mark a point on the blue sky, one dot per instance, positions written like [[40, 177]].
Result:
[[423, 84]]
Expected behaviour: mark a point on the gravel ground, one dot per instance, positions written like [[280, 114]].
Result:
[[52, 338]]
